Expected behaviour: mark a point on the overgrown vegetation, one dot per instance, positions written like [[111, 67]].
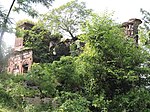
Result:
[[110, 75], [5, 22]]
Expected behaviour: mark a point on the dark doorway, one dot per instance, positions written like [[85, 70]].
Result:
[[25, 68]]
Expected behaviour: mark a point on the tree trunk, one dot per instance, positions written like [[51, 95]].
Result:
[[3, 28], [71, 35]]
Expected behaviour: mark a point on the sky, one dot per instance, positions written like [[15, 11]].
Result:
[[123, 10]]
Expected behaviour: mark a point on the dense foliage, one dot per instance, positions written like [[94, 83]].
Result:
[[110, 75], [38, 39], [27, 6], [45, 46], [67, 19]]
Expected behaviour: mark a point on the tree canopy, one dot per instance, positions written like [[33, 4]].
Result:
[[27, 6], [67, 18]]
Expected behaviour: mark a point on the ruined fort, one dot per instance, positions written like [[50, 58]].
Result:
[[21, 59]]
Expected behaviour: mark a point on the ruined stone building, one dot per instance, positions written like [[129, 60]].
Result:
[[131, 28], [20, 60]]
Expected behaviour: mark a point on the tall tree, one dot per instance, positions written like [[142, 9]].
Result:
[[2, 30], [113, 63], [67, 18]]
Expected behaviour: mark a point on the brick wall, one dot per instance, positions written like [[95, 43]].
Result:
[[20, 62], [21, 59]]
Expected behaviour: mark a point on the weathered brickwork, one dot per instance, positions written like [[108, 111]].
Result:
[[21, 59], [131, 28]]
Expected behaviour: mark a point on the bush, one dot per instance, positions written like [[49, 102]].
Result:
[[72, 102], [136, 100]]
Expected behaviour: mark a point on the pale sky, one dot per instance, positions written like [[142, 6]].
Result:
[[124, 10]]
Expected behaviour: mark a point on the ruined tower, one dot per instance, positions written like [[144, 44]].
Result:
[[21, 58], [131, 28]]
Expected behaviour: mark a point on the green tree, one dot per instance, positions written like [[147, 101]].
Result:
[[72, 102], [67, 18], [110, 64], [136, 100], [2, 30], [109, 70], [42, 76], [27, 6]]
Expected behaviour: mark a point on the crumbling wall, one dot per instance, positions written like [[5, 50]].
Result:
[[20, 62], [131, 28]]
